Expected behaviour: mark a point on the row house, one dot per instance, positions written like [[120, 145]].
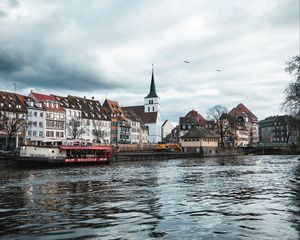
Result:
[[190, 120], [95, 121], [144, 133], [174, 136], [280, 129], [36, 121], [13, 114], [119, 128], [166, 129], [74, 127], [55, 119], [135, 125], [138, 130], [127, 125], [233, 131], [251, 122]]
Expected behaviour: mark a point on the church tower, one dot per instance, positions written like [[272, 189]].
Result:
[[151, 101]]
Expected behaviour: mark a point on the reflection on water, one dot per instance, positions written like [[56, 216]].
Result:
[[253, 197]]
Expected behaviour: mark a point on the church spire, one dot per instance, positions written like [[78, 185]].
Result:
[[152, 93]]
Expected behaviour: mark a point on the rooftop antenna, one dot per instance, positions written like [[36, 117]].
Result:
[[15, 87]]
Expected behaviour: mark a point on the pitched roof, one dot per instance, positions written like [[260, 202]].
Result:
[[113, 107], [43, 98], [193, 117], [199, 132], [241, 109], [152, 93], [149, 117], [130, 114], [12, 102], [66, 103], [90, 108]]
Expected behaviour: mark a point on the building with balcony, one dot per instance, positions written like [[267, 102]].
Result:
[[55, 120]]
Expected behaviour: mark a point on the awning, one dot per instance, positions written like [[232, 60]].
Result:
[[107, 148]]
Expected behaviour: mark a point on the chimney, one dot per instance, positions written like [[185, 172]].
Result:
[[84, 97], [93, 98]]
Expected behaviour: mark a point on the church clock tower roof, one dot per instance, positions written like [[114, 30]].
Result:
[[152, 93]]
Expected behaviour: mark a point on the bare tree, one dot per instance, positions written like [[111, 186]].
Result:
[[75, 128], [11, 126], [99, 131], [292, 92], [218, 114], [293, 126]]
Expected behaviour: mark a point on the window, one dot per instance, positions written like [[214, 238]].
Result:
[[153, 109], [34, 133], [57, 134], [41, 114], [150, 101], [148, 109], [61, 134], [40, 124], [69, 112], [40, 134]]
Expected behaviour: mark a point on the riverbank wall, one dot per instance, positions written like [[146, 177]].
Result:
[[144, 156]]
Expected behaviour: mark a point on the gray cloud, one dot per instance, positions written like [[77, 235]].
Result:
[[107, 48]]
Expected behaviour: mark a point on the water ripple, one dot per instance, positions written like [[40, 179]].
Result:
[[253, 197]]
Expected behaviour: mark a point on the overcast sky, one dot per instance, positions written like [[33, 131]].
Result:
[[105, 49]]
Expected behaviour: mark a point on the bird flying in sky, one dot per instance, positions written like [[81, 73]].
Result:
[[186, 61], [218, 70]]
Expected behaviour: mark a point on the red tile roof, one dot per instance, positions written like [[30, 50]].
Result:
[[193, 114], [47, 98], [150, 117], [241, 109], [113, 107]]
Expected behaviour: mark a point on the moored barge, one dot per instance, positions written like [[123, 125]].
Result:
[[64, 155]]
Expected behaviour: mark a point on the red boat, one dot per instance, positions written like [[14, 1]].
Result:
[[65, 154]]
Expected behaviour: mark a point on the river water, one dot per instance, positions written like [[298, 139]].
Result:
[[251, 197]]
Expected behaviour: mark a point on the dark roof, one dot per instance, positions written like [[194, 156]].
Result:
[[152, 93], [12, 102], [199, 132], [90, 108], [130, 114], [68, 102], [149, 117]]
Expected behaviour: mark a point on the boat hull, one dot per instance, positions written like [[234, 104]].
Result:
[[32, 162]]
